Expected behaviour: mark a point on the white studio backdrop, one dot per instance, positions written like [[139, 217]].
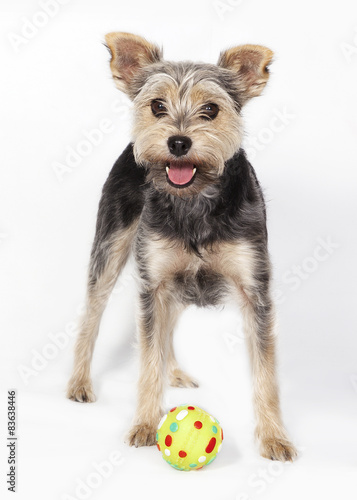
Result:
[[63, 124]]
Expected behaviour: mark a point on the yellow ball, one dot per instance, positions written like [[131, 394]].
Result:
[[189, 437]]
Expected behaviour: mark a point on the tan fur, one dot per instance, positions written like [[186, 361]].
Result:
[[129, 54], [153, 354], [176, 376], [236, 262], [150, 135], [232, 260], [270, 432], [166, 258], [171, 276], [250, 62], [80, 385]]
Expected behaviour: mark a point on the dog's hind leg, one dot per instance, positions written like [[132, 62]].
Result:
[[176, 376], [109, 255]]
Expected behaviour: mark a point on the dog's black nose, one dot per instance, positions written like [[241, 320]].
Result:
[[179, 145]]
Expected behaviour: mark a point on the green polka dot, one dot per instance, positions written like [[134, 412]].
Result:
[[157, 436], [173, 427], [214, 429], [193, 465], [211, 460]]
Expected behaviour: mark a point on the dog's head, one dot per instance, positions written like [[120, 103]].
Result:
[[187, 120]]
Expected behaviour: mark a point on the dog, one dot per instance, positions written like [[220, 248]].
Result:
[[184, 198]]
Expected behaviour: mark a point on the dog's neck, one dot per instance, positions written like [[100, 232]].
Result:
[[218, 212]]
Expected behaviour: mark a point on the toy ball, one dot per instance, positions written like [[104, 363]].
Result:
[[189, 437]]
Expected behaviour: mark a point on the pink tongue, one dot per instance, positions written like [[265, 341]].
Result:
[[180, 173]]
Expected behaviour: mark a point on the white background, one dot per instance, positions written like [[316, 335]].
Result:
[[56, 87]]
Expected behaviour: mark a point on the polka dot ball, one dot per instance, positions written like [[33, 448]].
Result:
[[189, 437]]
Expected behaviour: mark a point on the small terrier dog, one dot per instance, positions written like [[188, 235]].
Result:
[[185, 199]]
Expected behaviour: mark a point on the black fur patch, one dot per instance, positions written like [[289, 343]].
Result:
[[205, 288], [230, 210], [123, 194], [121, 203]]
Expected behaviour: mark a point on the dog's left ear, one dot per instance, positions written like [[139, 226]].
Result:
[[250, 63], [130, 54]]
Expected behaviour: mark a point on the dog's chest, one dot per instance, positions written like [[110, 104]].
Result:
[[194, 280]]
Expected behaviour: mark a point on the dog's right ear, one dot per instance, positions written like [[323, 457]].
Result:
[[130, 53]]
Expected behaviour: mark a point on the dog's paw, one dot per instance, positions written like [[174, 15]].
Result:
[[278, 449], [142, 435], [82, 393], [178, 378]]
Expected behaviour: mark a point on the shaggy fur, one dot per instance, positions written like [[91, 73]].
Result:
[[195, 242]]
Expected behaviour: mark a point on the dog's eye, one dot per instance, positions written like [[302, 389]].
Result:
[[158, 108], [209, 111]]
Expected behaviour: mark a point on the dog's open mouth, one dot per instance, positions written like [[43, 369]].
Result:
[[180, 174]]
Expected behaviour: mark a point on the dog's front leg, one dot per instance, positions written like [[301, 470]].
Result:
[[260, 329], [248, 266], [108, 258], [156, 319]]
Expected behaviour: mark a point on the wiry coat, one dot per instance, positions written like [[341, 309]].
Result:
[[194, 243]]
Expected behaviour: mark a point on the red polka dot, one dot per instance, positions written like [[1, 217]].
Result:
[[158, 447], [168, 440], [198, 424], [198, 468], [173, 409], [182, 454], [190, 407], [211, 445], [222, 434]]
